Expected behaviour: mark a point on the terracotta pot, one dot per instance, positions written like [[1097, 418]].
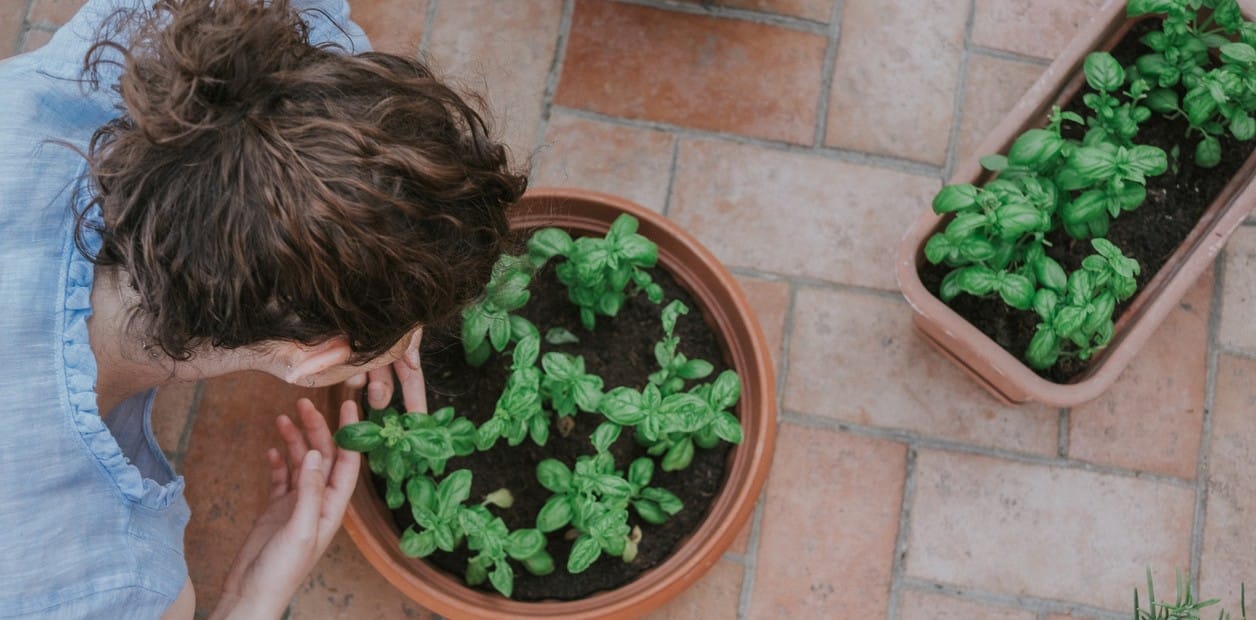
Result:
[[722, 304], [999, 371]]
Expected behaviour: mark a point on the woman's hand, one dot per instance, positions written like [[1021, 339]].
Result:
[[408, 369], [310, 489]]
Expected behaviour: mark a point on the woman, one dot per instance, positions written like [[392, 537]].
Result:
[[230, 185]]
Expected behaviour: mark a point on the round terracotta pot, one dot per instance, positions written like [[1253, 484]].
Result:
[[724, 307]]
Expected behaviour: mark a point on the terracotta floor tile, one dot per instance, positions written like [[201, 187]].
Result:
[[829, 526], [11, 26], [1238, 296], [1229, 537], [814, 10], [770, 301], [716, 595], [344, 586], [1032, 27], [895, 79], [172, 408], [226, 471], [855, 357], [1042, 531], [796, 214], [916, 605], [54, 12], [1152, 417], [394, 27], [625, 161], [993, 86], [709, 73], [504, 50]]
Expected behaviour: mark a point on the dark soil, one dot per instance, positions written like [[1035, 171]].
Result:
[[1149, 234], [621, 351]]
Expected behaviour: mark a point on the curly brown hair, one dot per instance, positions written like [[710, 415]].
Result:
[[261, 188]]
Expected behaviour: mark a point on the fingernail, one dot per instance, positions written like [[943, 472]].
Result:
[[313, 460], [375, 391], [412, 359]]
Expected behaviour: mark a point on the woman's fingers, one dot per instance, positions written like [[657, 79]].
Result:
[[344, 475], [293, 439], [278, 474], [413, 388], [379, 387], [303, 525], [317, 433]]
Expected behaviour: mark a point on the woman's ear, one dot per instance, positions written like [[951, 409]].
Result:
[[304, 362]]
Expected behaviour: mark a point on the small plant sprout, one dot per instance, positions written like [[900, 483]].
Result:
[[519, 412], [1113, 178], [1215, 100], [597, 271], [489, 325], [495, 543], [669, 425], [594, 501], [1081, 315], [567, 387], [402, 445], [1114, 122], [1184, 607], [674, 367], [446, 522]]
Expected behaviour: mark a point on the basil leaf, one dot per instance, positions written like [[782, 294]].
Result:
[[1103, 72], [955, 198], [359, 437]]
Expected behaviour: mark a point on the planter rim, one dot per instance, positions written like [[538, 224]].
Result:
[[1002, 373], [729, 511]]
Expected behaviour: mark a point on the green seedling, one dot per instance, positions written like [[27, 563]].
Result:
[[519, 412], [399, 446], [674, 367], [598, 271]]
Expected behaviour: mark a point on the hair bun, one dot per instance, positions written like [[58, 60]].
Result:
[[204, 65]]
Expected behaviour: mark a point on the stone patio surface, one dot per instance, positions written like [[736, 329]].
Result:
[[797, 139]]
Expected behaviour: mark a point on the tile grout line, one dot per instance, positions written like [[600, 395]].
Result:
[[671, 176], [24, 30], [1022, 602], [1205, 434], [756, 523], [429, 24], [810, 282], [946, 445], [887, 162], [185, 436], [904, 529], [750, 559], [790, 22], [551, 80], [990, 52], [957, 109], [1062, 440], [1233, 352], [787, 336], [826, 75]]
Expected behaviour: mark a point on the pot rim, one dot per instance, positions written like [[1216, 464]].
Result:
[[1001, 372], [724, 305]]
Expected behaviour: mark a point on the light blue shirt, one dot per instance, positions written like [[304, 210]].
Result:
[[91, 516]]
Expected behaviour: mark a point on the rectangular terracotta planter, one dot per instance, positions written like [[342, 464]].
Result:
[[1001, 372]]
